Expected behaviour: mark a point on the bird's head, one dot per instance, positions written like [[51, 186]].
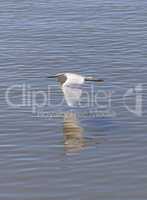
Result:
[[61, 77]]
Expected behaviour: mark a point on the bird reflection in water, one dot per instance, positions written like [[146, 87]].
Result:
[[71, 85], [74, 139], [73, 133]]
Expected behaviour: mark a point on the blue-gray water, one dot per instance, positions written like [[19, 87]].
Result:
[[74, 154]]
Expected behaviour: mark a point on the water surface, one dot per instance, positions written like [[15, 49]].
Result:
[[73, 154]]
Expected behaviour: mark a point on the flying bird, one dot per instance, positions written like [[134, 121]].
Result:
[[70, 85]]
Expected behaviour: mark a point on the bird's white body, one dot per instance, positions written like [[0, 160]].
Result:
[[72, 94], [70, 85], [73, 79], [71, 90]]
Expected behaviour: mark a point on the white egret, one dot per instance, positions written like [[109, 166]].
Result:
[[70, 85]]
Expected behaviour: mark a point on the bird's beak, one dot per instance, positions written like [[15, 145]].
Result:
[[53, 76]]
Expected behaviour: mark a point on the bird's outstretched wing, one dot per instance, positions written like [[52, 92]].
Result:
[[72, 95]]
